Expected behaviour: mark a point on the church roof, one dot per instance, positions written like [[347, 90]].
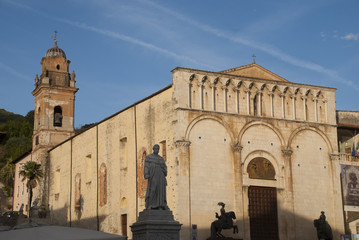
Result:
[[254, 71], [55, 51]]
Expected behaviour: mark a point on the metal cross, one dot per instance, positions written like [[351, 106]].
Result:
[[254, 58]]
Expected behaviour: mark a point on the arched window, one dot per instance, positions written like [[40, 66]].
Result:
[[58, 116], [261, 168], [255, 105], [103, 184]]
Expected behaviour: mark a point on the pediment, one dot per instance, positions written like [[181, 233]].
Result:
[[254, 71]]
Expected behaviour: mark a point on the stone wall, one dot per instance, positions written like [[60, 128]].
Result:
[[108, 156]]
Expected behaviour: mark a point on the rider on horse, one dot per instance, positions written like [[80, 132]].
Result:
[[225, 221]]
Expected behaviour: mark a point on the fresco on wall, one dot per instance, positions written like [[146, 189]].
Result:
[[350, 186]]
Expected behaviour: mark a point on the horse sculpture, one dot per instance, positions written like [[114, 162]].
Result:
[[324, 230], [225, 221]]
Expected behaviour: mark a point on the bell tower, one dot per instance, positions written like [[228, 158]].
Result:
[[54, 100], [54, 109]]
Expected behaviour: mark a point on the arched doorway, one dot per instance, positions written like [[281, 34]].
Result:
[[263, 214]]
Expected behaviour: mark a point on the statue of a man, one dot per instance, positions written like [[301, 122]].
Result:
[[155, 171]]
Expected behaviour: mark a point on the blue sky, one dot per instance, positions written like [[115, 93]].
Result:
[[124, 50]]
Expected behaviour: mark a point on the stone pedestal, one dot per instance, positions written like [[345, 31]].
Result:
[[156, 225]]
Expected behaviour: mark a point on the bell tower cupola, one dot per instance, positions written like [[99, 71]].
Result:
[[54, 100]]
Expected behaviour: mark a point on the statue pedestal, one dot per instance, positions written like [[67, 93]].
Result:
[[155, 225]]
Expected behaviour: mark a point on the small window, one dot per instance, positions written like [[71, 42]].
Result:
[[58, 116], [37, 140], [58, 67]]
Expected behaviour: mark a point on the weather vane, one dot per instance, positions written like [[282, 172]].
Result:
[[54, 37], [254, 58]]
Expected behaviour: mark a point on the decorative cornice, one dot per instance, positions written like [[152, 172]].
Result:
[[334, 157], [287, 152], [182, 143]]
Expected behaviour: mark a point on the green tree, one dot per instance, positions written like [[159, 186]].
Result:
[[32, 173], [7, 176]]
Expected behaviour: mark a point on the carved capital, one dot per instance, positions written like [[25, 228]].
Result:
[[182, 143], [236, 147], [287, 152], [334, 157]]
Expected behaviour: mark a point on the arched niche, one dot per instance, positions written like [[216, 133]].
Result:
[[261, 168]]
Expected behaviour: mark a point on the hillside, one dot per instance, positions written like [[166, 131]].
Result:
[[7, 116], [16, 133]]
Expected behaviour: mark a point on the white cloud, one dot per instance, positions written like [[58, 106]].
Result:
[[116, 35], [13, 72], [271, 50], [351, 36]]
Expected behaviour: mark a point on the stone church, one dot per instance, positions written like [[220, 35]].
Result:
[[263, 145]]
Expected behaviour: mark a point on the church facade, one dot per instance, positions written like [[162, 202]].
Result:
[[264, 146]]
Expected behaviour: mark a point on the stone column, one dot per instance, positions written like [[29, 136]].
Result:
[[294, 108], [183, 203], [238, 194], [260, 103], [213, 96], [225, 99], [283, 105], [304, 108], [248, 102], [288, 205], [190, 95], [337, 194], [237, 99], [315, 100], [201, 97], [271, 104]]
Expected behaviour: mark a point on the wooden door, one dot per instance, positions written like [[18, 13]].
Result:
[[124, 224], [263, 215]]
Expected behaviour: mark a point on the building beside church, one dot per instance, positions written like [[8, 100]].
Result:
[[263, 145]]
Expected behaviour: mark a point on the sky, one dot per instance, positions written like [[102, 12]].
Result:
[[124, 50]]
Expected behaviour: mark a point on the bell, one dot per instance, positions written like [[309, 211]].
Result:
[[58, 119]]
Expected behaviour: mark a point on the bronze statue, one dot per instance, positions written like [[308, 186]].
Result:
[[155, 171], [225, 221], [324, 230]]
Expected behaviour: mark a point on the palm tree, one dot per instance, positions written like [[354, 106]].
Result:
[[32, 172]]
